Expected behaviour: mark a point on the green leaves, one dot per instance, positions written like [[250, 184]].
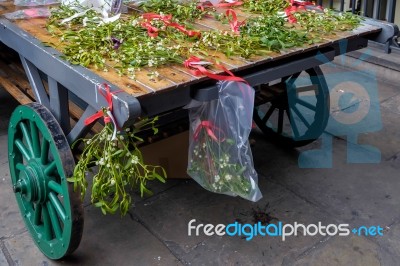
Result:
[[182, 11], [120, 167], [265, 7], [89, 43]]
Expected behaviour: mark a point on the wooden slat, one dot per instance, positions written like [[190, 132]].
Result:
[[13, 80], [14, 91]]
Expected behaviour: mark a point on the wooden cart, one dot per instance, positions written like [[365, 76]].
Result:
[[56, 98]]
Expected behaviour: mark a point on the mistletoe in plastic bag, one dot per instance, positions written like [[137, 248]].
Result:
[[220, 158]]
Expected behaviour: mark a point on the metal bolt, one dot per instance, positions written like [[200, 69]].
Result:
[[16, 189]]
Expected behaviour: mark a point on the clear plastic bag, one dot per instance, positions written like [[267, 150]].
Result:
[[35, 2], [107, 8], [40, 12], [220, 158]]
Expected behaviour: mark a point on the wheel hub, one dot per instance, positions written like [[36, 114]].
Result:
[[31, 183], [280, 99]]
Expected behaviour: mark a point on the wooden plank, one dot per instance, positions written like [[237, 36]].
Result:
[[14, 91], [15, 82]]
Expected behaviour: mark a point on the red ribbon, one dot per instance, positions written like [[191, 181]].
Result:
[[296, 6], [190, 33], [290, 10], [233, 22], [301, 3], [166, 19], [207, 4], [152, 16], [210, 129], [108, 96], [151, 30], [229, 4], [199, 69]]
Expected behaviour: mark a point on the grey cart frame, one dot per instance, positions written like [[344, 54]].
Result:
[[63, 78]]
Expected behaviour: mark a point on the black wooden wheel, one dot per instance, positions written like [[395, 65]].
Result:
[[294, 110]]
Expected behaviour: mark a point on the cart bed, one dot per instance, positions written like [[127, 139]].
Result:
[[177, 75]]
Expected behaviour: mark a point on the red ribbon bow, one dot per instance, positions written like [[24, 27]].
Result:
[[152, 16], [108, 96], [166, 19], [233, 22], [211, 130], [151, 30], [195, 66], [206, 4], [296, 6]]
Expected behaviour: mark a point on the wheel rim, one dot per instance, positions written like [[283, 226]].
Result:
[[40, 162], [294, 111]]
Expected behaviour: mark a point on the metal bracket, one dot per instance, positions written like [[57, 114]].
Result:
[[388, 33]]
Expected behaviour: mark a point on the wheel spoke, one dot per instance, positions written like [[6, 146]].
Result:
[[312, 87], [50, 168], [37, 214], [20, 167], [268, 114], [35, 139], [293, 79], [57, 205], [44, 154], [280, 121], [305, 122], [293, 124], [48, 235], [306, 104], [53, 185], [27, 137], [54, 221], [24, 151]]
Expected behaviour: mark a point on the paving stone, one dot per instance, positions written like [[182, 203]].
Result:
[[24, 252], [390, 242], [3, 260], [388, 146], [115, 240], [346, 250], [375, 139], [393, 104], [380, 122], [189, 201], [10, 217], [107, 240], [356, 193]]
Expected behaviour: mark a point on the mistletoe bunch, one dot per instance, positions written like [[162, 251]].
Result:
[[120, 167], [127, 46]]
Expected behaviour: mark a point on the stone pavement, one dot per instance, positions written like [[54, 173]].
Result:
[[155, 231]]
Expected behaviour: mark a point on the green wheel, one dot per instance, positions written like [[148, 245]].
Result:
[[40, 162], [294, 110]]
